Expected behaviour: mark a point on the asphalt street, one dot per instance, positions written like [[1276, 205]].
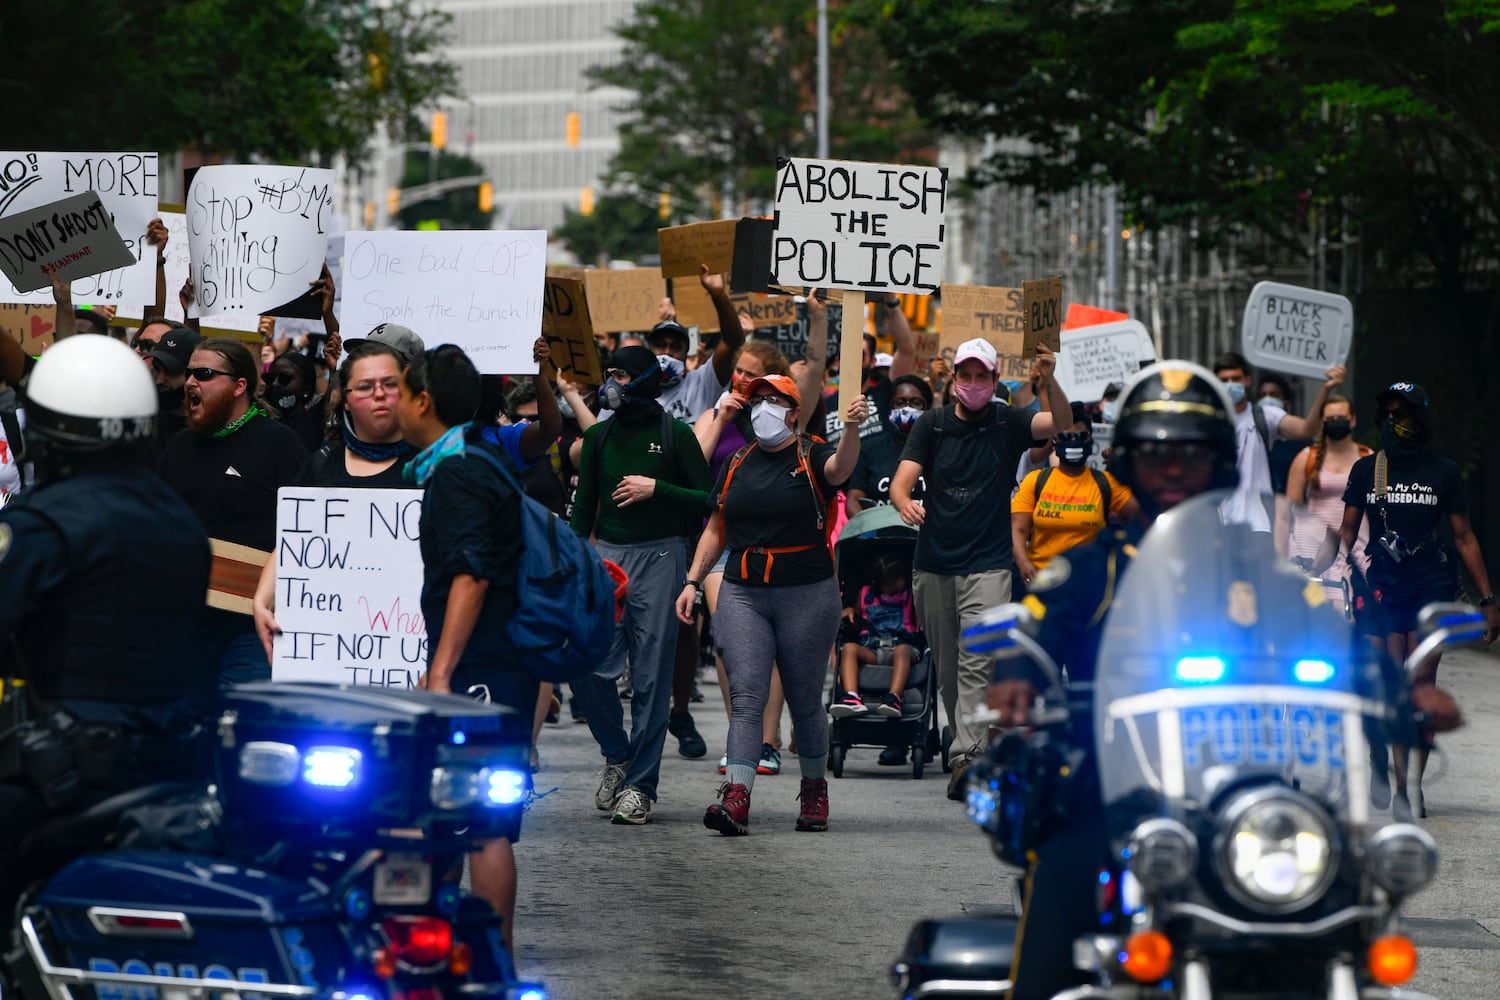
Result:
[[671, 909]]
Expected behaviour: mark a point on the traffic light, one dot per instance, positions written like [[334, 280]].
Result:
[[586, 201], [664, 206], [393, 201], [369, 215], [575, 128], [439, 130], [486, 196]]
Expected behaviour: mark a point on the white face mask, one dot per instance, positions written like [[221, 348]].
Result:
[[769, 422]]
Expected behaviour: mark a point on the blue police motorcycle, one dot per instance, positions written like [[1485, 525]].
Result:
[[1253, 849], [328, 856]]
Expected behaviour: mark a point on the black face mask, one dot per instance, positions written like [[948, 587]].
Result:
[[1398, 439], [168, 400], [287, 404], [1337, 429], [1073, 448]]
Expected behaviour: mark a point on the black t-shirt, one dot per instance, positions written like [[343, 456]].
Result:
[[231, 482], [970, 472], [327, 467], [1420, 494], [311, 424], [471, 523], [879, 455], [771, 505], [878, 392]]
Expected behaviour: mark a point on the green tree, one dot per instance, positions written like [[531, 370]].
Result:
[[621, 226], [457, 208], [297, 81], [722, 88]]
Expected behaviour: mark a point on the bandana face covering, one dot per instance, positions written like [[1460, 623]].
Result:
[[378, 451], [420, 469]]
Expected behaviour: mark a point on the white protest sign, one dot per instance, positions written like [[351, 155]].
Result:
[[1092, 357], [349, 587], [1104, 437], [73, 237], [859, 226], [480, 289], [1299, 331], [257, 234], [178, 269], [125, 182]]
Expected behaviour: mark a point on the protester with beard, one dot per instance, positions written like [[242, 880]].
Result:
[[290, 393], [1405, 492], [228, 465], [641, 496]]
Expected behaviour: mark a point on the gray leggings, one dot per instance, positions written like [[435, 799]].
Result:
[[793, 628]]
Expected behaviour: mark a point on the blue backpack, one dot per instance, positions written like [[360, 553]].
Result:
[[565, 598]]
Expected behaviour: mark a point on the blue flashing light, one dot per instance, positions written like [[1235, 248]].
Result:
[[504, 787], [534, 993], [358, 996], [331, 767], [460, 737], [357, 904], [1104, 878], [1199, 669], [1313, 671]]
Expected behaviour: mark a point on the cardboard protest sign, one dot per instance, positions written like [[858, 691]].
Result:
[[31, 325], [791, 338], [751, 272], [987, 313], [1082, 315], [694, 305], [1300, 331], [622, 300], [684, 248], [349, 587], [257, 234], [859, 226], [570, 334], [767, 310], [178, 268], [1041, 305], [125, 182], [1092, 357], [74, 238], [479, 289]]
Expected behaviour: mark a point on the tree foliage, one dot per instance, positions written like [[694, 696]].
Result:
[[289, 80], [721, 88], [621, 227], [455, 209]]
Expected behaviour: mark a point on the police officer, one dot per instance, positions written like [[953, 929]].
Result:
[[1174, 438], [102, 575]]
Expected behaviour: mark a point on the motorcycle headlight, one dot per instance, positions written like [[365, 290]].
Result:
[[454, 787], [1403, 858], [1163, 854], [1274, 850], [983, 796]]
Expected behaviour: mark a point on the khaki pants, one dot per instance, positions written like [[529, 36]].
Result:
[[946, 605]]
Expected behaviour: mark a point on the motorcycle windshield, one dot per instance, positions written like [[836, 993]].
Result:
[[1220, 665]]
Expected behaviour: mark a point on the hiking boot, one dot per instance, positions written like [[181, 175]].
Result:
[[890, 705], [770, 760], [689, 743], [813, 817], [633, 807], [610, 781], [849, 705], [731, 814]]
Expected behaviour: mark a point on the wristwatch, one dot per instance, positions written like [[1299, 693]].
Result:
[[1485, 602], [695, 584], [161, 262]]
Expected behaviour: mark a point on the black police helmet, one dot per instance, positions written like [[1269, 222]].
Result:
[[1175, 401]]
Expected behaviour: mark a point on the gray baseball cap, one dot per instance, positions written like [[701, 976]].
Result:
[[403, 340]]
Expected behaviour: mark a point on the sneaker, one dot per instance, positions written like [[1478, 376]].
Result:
[[957, 790], [770, 760], [611, 780], [731, 814], [1380, 789], [689, 743], [850, 704], [633, 807], [554, 710], [890, 705], [813, 817], [724, 764], [893, 757]]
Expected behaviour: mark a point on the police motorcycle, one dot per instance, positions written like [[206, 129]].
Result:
[[328, 852], [1233, 719]]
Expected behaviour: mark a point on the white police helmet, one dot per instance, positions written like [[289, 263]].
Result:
[[88, 393]]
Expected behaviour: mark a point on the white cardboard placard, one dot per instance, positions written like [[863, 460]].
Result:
[[73, 237], [863, 227], [1299, 331], [479, 289], [179, 267], [349, 587], [1094, 356], [125, 182], [257, 234]]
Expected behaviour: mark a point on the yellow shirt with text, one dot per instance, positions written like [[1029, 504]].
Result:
[[1069, 511]]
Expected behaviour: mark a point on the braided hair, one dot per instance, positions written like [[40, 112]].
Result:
[[1320, 451]]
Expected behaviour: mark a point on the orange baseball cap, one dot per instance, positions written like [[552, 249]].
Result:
[[782, 385]]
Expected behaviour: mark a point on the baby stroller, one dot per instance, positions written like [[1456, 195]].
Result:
[[869, 535]]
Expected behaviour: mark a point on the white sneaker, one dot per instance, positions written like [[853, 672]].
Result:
[[610, 781], [633, 807]]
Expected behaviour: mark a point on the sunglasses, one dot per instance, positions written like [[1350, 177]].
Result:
[[207, 374], [145, 346], [281, 379]]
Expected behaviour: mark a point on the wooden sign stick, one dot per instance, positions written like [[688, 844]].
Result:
[[851, 351]]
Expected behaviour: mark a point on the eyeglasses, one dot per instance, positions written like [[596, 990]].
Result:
[[390, 386], [618, 374], [281, 379], [915, 402], [207, 374]]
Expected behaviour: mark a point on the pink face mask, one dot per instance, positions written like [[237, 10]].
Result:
[[974, 395]]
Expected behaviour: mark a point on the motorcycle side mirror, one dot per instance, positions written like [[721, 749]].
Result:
[[1445, 625]]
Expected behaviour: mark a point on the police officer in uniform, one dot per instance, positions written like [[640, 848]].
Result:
[[1174, 438], [103, 571]]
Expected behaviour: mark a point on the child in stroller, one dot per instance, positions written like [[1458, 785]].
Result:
[[881, 630]]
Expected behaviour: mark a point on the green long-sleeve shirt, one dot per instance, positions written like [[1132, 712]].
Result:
[[635, 449]]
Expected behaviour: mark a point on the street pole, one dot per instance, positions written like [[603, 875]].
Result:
[[822, 79]]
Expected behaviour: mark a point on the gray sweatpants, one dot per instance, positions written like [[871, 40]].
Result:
[[793, 628]]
